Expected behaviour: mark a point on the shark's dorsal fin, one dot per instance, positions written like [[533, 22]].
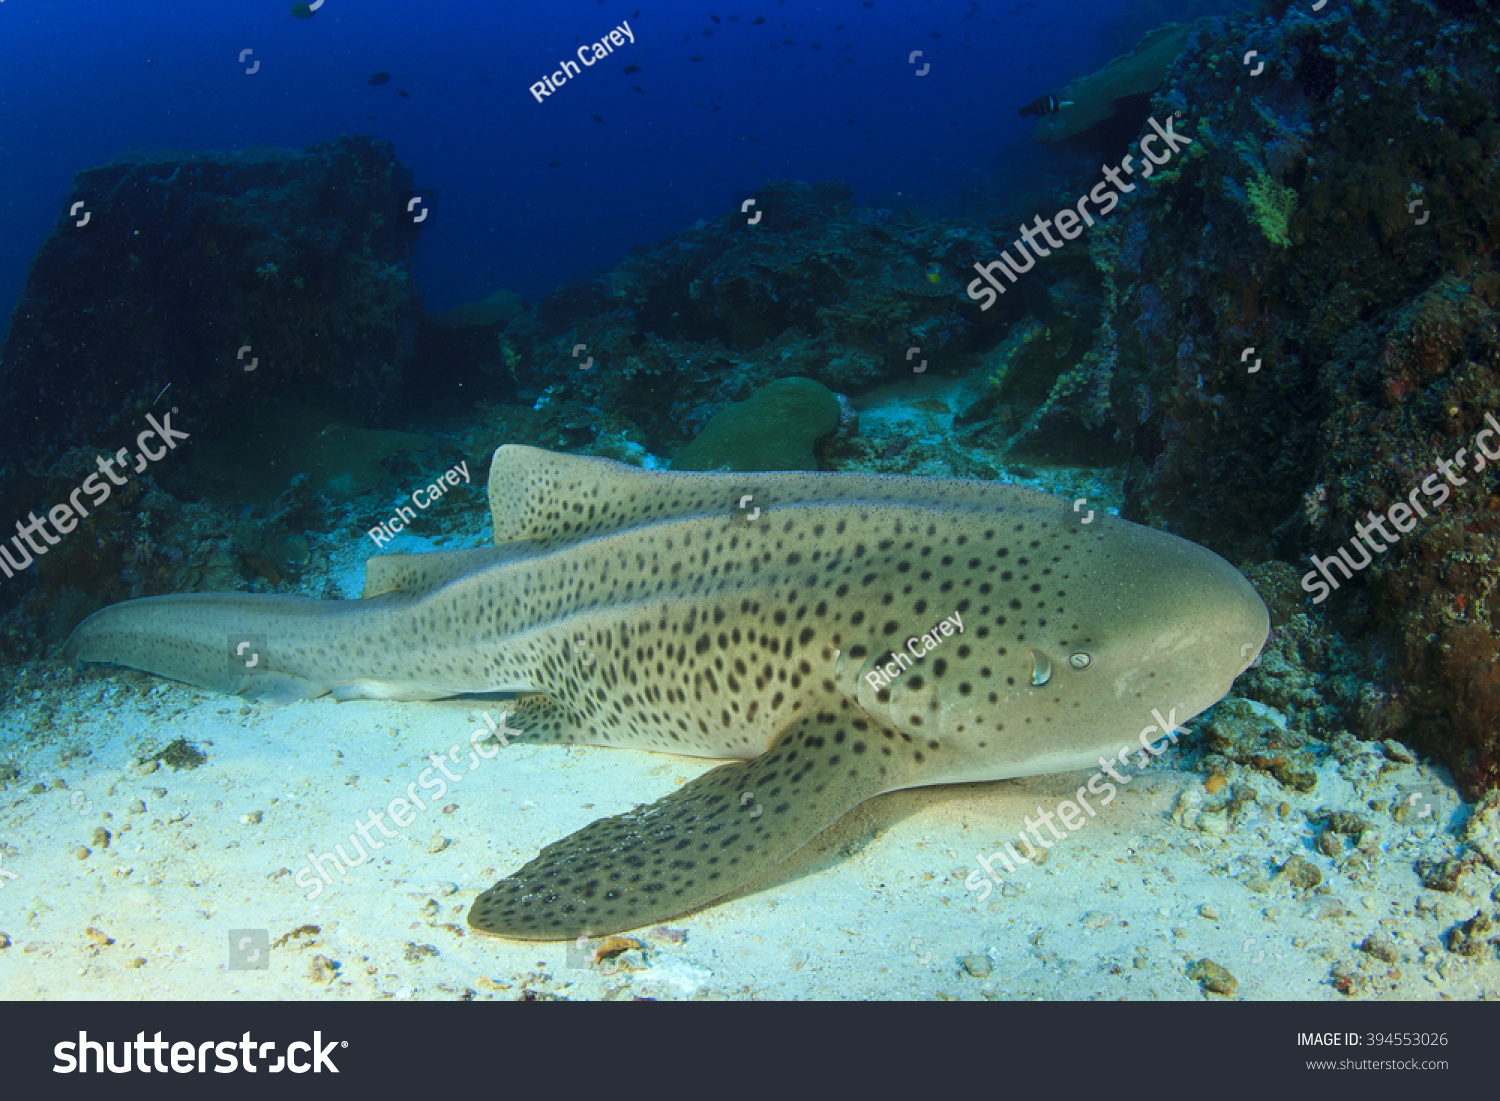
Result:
[[551, 499], [415, 574]]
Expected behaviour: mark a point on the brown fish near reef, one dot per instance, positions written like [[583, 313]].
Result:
[[1031, 640]]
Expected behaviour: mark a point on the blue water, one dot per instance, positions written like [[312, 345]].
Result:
[[82, 81]]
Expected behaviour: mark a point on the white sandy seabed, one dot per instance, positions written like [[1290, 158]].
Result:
[[875, 908]]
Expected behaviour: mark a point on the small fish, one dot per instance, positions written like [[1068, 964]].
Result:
[[757, 21], [1045, 105], [715, 18], [380, 78], [934, 272], [302, 11], [402, 92], [639, 89], [695, 57], [595, 117], [554, 164], [631, 69]]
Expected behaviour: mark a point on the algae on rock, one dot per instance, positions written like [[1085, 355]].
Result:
[[773, 430], [1272, 207]]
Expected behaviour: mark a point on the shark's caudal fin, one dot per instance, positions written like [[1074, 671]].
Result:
[[189, 638], [708, 838], [293, 647]]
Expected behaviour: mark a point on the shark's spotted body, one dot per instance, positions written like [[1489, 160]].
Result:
[[772, 641]]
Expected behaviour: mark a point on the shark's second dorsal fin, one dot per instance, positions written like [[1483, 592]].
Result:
[[416, 574], [548, 499]]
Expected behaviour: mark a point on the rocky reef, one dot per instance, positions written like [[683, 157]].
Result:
[[1298, 322], [168, 264], [265, 298]]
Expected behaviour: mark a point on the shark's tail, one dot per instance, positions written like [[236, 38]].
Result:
[[237, 643]]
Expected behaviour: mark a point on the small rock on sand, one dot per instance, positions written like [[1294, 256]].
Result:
[[977, 965], [1214, 977]]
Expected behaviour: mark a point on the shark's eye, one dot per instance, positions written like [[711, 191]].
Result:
[[1042, 672], [1080, 660]]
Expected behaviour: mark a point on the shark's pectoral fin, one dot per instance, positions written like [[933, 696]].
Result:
[[708, 838]]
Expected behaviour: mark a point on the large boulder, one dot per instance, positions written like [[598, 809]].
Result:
[[184, 259]]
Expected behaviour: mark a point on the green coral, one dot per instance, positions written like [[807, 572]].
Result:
[[1271, 208], [774, 430], [510, 354]]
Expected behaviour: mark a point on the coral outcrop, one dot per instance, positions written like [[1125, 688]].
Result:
[[774, 430]]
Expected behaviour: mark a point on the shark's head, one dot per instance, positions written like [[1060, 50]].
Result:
[[1084, 638]]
